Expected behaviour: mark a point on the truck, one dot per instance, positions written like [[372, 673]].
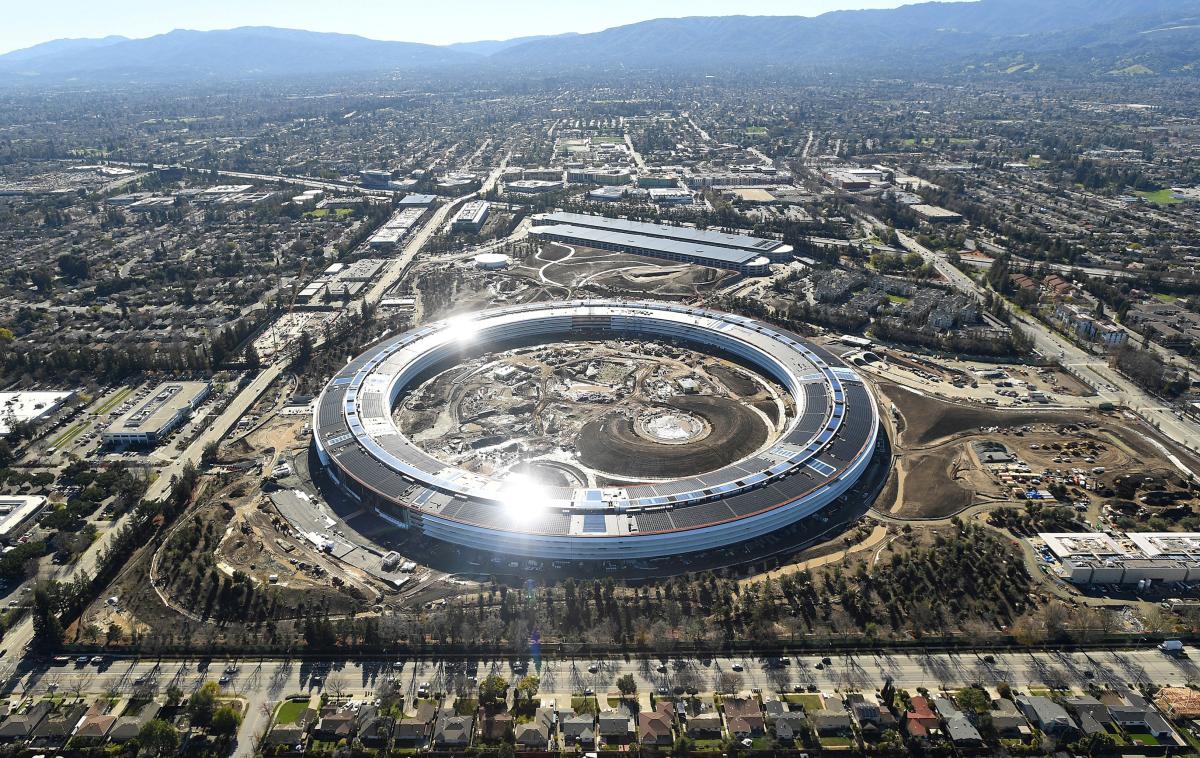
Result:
[[1172, 648]]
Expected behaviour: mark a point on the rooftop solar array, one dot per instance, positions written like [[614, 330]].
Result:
[[833, 431]]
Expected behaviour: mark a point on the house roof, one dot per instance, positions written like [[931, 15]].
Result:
[[613, 723], [653, 724], [95, 726]]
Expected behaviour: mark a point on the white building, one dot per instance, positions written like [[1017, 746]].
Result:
[[153, 419], [17, 512], [471, 217], [29, 407]]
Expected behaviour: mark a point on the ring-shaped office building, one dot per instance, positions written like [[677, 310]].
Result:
[[826, 446]]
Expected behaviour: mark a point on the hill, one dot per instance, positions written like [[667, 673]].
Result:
[[929, 36], [230, 54]]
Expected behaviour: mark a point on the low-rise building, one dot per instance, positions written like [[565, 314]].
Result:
[[150, 421], [471, 217], [29, 407]]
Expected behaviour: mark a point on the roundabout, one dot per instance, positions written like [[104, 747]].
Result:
[[682, 471]]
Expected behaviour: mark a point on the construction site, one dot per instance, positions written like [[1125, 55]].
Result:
[[594, 413]]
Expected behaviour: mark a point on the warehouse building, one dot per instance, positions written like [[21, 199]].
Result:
[[165, 409]]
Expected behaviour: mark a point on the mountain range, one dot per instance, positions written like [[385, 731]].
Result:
[[1095, 37]]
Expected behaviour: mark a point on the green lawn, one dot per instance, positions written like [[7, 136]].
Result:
[[323, 212], [836, 742], [1160, 197], [898, 299], [290, 711], [609, 139], [756, 131], [114, 401], [65, 438], [1163, 298], [808, 701], [1145, 739]]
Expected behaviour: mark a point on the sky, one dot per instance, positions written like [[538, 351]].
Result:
[[436, 22]]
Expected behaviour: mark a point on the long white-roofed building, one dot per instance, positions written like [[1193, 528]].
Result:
[[737, 252]]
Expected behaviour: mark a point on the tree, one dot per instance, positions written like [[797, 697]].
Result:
[[683, 746], [174, 695], [225, 721], [729, 682], [973, 699], [493, 690], [47, 628], [203, 703], [527, 687], [158, 737], [209, 454], [627, 686]]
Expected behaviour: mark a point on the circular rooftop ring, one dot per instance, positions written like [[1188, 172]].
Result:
[[821, 453]]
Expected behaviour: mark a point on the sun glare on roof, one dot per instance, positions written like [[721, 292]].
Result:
[[461, 329], [522, 498]]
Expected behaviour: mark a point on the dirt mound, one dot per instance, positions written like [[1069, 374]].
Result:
[[931, 489], [928, 419], [612, 445]]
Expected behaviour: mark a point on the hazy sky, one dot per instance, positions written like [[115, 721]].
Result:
[[433, 21]]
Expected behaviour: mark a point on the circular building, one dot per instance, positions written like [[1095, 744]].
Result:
[[491, 261], [824, 449]]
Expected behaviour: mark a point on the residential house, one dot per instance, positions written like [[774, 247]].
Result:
[[336, 723], [578, 729], [1140, 719], [614, 727], [655, 727], [495, 727], [1008, 721], [58, 726], [375, 730], [920, 722], [959, 728], [773, 708], [410, 732], [831, 723], [18, 727], [293, 736], [791, 727], [535, 734], [872, 720], [705, 726], [453, 731], [744, 717], [94, 729], [1091, 714], [130, 724], [1047, 715]]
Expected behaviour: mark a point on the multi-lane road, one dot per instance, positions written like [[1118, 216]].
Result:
[[265, 681]]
